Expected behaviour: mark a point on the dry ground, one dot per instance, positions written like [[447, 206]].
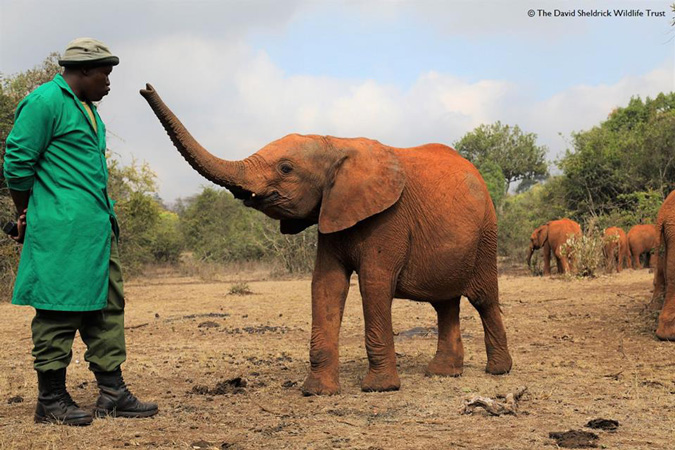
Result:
[[585, 349]]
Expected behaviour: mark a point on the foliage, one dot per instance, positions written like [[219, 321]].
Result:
[[494, 179], [240, 289], [218, 228], [295, 252], [148, 233], [585, 253], [632, 151], [514, 152], [635, 208]]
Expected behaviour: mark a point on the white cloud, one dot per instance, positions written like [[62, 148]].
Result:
[[582, 107], [235, 100]]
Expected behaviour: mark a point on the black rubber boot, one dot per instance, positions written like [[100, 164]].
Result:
[[116, 400], [55, 405]]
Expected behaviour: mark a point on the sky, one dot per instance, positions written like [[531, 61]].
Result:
[[240, 74]]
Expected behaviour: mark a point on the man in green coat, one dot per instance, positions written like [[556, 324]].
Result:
[[69, 271]]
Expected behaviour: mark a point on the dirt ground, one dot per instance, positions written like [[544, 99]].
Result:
[[584, 349]]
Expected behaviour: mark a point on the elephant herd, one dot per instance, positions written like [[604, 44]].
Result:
[[654, 242], [415, 223]]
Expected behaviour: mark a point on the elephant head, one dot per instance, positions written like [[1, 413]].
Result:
[[537, 240], [299, 180]]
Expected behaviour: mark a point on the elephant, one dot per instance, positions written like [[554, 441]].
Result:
[[550, 237], [415, 223], [642, 240], [664, 275], [616, 248]]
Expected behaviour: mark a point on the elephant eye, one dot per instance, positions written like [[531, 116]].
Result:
[[286, 168]]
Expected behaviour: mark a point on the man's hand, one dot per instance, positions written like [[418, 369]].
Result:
[[21, 226], [20, 199]]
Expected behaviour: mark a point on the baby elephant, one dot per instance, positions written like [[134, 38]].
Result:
[[415, 223]]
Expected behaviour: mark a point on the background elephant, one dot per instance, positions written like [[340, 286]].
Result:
[[550, 237], [616, 248], [413, 223], [642, 239], [664, 275]]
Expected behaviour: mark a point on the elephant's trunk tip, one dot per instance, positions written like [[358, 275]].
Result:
[[149, 90]]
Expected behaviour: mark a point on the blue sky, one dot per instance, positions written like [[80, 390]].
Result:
[[243, 73]]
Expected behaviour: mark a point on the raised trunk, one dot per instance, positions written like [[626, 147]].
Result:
[[231, 174]]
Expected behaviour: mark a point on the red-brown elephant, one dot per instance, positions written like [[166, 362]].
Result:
[[642, 240], [616, 248], [550, 237], [664, 276], [415, 223]]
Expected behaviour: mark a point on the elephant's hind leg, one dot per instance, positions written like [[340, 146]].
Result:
[[666, 326], [484, 296], [449, 359]]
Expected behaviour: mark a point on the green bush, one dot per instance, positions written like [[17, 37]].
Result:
[[220, 229], [148, 233]]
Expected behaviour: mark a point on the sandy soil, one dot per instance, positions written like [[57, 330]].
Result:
[[585, 349]]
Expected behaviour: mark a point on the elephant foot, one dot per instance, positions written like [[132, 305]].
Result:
[[320, 385], [666, 329], [381, 382], [445, 366], [499, 365]]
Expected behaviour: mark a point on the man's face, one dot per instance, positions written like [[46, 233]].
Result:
[[96, 82]]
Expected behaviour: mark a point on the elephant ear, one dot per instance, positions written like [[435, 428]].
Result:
[[542, 235], [364, 182]]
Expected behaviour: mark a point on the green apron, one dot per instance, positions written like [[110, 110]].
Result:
[[54, 150]]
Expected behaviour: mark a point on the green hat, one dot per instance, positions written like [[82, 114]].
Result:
[[88, 51]]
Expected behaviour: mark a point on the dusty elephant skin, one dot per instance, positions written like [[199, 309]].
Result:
[[642, 239], [413, 223], [550, 237], [664, 275], [616, 248]]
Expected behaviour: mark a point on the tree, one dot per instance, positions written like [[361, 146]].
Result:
[[632, 151], [494, 179], [516, 153], [148, 233]]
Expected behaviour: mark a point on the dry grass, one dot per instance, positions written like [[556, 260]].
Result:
[[585, 349]]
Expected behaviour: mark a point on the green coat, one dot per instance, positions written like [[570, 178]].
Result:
[[54, 150]]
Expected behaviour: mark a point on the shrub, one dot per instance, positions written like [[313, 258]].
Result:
[[585, 253], [240, 289]]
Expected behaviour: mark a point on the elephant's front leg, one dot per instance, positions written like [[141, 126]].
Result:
[[330, 285], [377, 293], [546, 254]]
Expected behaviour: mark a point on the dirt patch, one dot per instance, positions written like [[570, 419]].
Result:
[[233, 386], [585, 349], [575, 439], [15, 399], [603, 424]]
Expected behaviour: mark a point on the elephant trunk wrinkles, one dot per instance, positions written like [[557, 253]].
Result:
[[529, 257], [225, 173]]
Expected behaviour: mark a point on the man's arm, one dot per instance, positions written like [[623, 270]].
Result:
[[32, 131], [20, 199]]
